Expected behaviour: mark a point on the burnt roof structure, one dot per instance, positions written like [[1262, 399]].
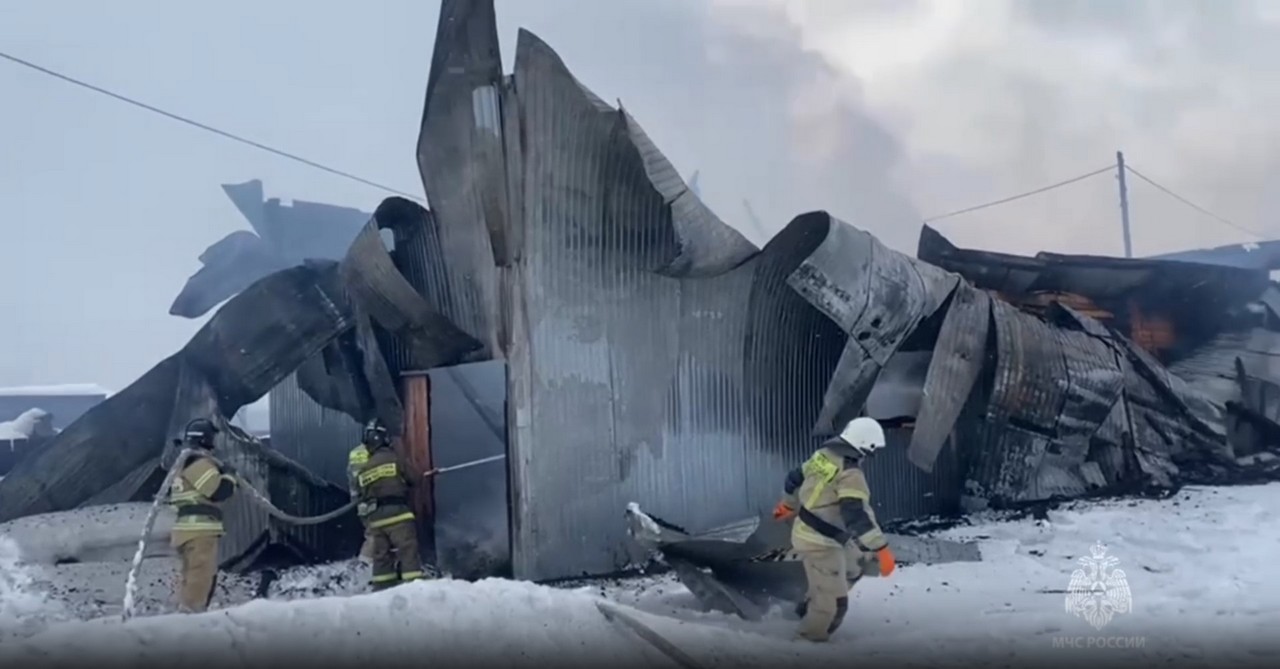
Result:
[[1145, 389], [283, 236]]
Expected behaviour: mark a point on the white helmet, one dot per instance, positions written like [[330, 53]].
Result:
[[863, 435]]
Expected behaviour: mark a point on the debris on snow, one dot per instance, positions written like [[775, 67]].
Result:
[[644, 527]]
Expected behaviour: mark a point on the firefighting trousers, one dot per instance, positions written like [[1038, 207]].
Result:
[[826, 571], [198, 572], [395, 554]]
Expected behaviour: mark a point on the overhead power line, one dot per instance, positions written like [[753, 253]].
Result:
[[1193, 205], [1019, 196], [206, 127], [368, 182]]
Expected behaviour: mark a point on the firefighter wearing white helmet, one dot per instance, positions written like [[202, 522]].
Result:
[[835, 532]]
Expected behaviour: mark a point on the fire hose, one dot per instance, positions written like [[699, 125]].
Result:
[[131, 584]]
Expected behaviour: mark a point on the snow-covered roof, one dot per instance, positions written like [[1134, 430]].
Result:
[[59, 390]]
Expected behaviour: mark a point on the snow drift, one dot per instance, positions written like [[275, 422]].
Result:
[[444, 623]]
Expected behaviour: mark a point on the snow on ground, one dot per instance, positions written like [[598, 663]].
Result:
[[93, 534], [1199, 567], [25, 608]]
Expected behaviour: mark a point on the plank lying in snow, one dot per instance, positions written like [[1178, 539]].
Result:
[[612, 613]]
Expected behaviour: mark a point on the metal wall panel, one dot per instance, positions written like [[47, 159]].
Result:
[[467, 195], [901, 491], [606, 331], [420, 258], [317, 438]]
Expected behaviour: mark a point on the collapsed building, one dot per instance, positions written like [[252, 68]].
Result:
[[569, 302]]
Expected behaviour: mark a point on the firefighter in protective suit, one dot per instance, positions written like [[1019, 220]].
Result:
[[835, 532], [380, 483], [199, 491]]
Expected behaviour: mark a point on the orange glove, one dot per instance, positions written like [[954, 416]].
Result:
[[887, 564], [782, 511]]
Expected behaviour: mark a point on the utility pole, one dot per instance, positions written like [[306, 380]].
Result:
[[1124, 204]]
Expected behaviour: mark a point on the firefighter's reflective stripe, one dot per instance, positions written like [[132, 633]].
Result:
[[411, 575], [367, 477], [204, 479], [192, 489], [358, 455], [197, 523], [853, 492], [393, 520], [383, 578]]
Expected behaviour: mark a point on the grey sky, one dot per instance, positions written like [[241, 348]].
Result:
[[879, 111]]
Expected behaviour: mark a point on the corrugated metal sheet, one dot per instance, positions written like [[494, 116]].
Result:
[[460, 158], [604, 333], [315, 437], [382, 292], [421, 259], [900, 490], [875, 295], [957, 361], [1026, 398]]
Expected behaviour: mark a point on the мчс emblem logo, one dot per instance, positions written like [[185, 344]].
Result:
[[1098, 591]]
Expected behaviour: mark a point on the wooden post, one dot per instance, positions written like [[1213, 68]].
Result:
[[416, 447]]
